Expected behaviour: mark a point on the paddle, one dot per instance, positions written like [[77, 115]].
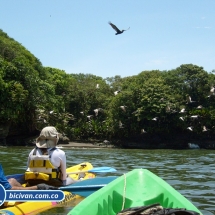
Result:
[[95, 170]]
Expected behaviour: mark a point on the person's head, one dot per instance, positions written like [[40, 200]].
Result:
[[48, 137]]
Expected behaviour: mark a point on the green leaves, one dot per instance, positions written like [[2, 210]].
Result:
[[39, 96]]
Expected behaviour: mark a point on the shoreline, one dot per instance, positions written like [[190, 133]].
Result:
[[84, 145]]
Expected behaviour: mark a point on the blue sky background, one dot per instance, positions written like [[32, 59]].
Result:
[[75, 35]]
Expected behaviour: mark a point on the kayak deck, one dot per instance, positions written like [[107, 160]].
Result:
[[139, 187], [87, 187]]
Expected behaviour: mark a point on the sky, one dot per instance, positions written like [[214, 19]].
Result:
[[74, 35]]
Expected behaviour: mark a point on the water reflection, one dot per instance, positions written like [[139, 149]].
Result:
[[191, 172]]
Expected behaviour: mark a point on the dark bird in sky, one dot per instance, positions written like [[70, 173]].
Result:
[[117, 29]]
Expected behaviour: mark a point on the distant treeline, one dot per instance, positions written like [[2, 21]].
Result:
[[164, 104]]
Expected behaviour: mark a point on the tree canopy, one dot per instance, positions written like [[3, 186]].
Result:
[[85, 106]]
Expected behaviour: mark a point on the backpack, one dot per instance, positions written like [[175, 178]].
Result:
[[156, 209]]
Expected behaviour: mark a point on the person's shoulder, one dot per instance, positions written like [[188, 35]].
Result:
[[60, 151], [32, 151]]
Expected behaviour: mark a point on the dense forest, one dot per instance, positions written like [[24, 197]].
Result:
[[156, 108]]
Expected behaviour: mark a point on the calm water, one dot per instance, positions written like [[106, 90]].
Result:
[[191, 172]]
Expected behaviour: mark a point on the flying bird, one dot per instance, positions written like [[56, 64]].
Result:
[[116, 92], [117, 29], [181, 118], [89, 117], [212, 91], [120, 124], [143, 131], [189, 100], [182, 110], [190, 128], [136, 112], [194, 117], [97, 110], [155, 118], [106, 142], [168, 108], [204, 129], [123, 108]]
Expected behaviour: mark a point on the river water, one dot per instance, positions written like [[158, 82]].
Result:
[[191, 172]]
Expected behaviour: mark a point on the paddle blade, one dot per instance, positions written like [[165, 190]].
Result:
[[102, 170], [96, 170]]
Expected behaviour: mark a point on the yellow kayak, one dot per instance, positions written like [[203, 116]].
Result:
[[30, 208]]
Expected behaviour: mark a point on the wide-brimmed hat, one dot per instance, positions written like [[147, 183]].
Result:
[[48, 138]]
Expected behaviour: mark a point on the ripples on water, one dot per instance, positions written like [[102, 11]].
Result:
[[191, 172]]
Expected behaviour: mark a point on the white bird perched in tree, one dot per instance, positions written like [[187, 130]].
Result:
[[97, 86], [116, 92]]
